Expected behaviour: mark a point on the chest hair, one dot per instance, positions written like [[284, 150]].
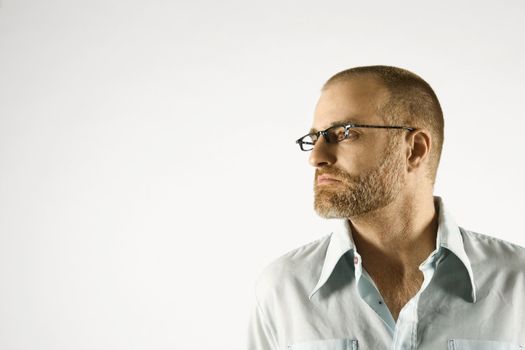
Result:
[[397, 289]]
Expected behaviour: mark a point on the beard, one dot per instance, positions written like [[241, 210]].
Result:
[[361, 194]]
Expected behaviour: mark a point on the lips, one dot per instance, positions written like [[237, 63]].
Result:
[[326, 179]]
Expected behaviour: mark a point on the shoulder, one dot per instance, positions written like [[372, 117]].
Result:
[[293, 271], [489, 249]]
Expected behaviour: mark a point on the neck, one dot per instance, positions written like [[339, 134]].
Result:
[[401, 235]]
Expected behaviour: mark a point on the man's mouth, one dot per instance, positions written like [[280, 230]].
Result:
[[327, 179]]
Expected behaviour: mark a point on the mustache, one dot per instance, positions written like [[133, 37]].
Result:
[[335, 172]]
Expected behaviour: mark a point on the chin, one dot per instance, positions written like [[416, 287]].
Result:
[[326, 208], [329, 215], [329, 211]]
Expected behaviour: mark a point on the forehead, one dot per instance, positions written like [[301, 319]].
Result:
[[355, 100]]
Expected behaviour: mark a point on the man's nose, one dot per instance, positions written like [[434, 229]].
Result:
[[322, 154]]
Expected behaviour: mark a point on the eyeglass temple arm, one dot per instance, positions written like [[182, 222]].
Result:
[[382, 127]]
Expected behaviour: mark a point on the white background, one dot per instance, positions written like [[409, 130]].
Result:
[[148, 170]]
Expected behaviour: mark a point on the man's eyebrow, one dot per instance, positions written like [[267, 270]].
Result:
[[339, 122]]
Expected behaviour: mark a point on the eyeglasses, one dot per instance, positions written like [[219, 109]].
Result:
[[338, 133]]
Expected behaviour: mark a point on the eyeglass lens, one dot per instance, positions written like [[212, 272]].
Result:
[[332, 135]]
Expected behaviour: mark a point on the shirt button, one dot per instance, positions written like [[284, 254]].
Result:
[[356, 260]]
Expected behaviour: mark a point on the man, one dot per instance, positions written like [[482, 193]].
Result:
[[399, 274]]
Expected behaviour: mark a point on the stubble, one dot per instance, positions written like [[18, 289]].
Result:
[[357, 195]]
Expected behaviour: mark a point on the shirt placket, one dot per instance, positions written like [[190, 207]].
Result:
[[405, 336], [404, 331]]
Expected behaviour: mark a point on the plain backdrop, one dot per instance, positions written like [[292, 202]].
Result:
[[148, 170]]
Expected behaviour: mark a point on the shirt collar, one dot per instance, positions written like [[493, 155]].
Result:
[[448, 236]]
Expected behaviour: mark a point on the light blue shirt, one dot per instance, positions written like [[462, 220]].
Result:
[[319, 297]]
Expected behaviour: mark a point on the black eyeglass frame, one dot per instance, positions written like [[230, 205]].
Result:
[[347, 127]]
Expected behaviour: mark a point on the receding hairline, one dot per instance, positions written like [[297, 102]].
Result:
[[383, 93], [400, 85], [349, 77]]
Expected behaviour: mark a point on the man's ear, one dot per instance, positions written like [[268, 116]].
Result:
[[419, 144]]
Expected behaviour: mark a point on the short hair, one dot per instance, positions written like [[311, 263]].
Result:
[[411, 102]]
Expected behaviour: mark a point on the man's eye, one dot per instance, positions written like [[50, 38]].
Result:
[[339, 134], [352, 134], [347, 135]]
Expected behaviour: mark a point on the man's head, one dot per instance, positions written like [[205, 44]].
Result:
[[374, 166]]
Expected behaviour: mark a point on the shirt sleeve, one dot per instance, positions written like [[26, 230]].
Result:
[[260, 335]]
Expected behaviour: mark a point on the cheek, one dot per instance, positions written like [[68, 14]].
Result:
[[357, 160], [366, 153]]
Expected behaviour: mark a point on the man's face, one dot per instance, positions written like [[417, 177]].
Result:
[[365, 172]]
